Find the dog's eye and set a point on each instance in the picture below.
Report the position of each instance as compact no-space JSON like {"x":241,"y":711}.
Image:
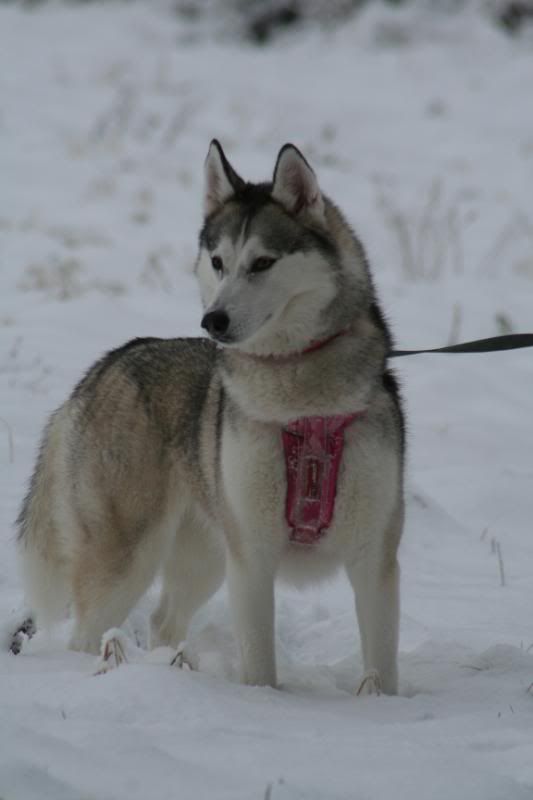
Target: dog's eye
{"x":217,"y":264}
{"x":261,"y":264}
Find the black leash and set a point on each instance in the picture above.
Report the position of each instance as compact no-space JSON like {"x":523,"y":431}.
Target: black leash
{"x":511,"y":341}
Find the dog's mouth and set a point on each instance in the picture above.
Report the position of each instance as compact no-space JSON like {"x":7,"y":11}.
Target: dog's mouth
{"x":223,"y":339}
{"x":228,"y":336}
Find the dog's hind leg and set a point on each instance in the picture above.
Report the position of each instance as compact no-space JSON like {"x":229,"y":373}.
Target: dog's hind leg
{"x":193,"y":570}
{"x":106,"y":589}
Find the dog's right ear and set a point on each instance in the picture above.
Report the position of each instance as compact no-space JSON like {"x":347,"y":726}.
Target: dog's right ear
{"x":221,"y":180}
{"x":295,"y":185}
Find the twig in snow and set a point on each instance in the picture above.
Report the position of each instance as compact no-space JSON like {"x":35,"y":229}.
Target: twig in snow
{"x":453,"y":338}
{"x":503,"y":323}
{"x":10,"y":445}
{"x":455,"y":240}
{"x":496,"y":549}
{"x":518,"y":230}
{"x":500,"y":563}
{"x":269,"y":788}
{"x":433,"y":240}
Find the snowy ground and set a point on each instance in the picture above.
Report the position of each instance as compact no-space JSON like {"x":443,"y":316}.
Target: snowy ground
{"x":423,"y":133}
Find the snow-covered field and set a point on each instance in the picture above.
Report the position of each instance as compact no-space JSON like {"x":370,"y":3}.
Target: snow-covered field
{"x":421,"y":128}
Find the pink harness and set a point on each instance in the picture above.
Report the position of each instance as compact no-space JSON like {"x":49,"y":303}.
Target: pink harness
{"x":313,"y":449}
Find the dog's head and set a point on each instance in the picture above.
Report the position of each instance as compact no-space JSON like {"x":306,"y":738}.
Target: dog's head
{"x":269,"y":264}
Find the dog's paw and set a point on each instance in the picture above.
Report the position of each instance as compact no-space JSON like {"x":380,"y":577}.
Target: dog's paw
{"x":23,"y":633}
{"x":113,"y":651}
{"x":183,"y":659}
{"x":370,"y":684}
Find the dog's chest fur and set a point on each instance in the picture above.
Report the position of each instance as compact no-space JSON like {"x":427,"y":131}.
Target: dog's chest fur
{"x":254,"y":488}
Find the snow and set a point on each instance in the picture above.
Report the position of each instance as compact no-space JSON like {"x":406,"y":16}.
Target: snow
{"x":420,"y":127}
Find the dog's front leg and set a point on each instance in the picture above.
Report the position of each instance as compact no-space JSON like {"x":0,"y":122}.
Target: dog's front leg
{"x":251,"y":592}
{"x":376,"y":587}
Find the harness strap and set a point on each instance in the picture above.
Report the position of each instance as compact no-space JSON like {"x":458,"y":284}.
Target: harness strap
{"x":313,"y":450}
{"x":511,"y":341}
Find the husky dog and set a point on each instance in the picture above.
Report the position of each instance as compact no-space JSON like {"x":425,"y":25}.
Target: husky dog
{"x":169,"y":455}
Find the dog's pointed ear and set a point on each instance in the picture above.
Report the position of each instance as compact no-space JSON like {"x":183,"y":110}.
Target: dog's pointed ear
{"x":221,"y":180}
{"x":294,"y":184}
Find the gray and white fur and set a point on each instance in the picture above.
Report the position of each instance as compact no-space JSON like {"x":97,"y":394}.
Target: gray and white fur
{"x":168,"y":457}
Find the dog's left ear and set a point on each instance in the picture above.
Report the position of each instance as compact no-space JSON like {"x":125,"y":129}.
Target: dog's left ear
{"x":221,"y":180}
{"x":294,"y":184}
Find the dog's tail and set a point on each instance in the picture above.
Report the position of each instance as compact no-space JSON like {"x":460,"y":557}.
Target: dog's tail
{"x":43,"y":558}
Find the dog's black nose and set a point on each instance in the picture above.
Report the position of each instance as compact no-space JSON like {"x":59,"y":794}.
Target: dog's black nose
{"x":216,"y":323}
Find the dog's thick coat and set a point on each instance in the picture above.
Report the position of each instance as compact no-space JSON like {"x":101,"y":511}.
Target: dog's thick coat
{"x":168,"y":455}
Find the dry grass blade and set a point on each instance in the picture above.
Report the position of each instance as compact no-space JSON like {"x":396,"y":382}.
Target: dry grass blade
{"x":10,"y":445}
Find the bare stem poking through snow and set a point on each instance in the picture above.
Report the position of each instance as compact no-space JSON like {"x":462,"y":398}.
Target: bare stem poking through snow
{"x":10,"y":445}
